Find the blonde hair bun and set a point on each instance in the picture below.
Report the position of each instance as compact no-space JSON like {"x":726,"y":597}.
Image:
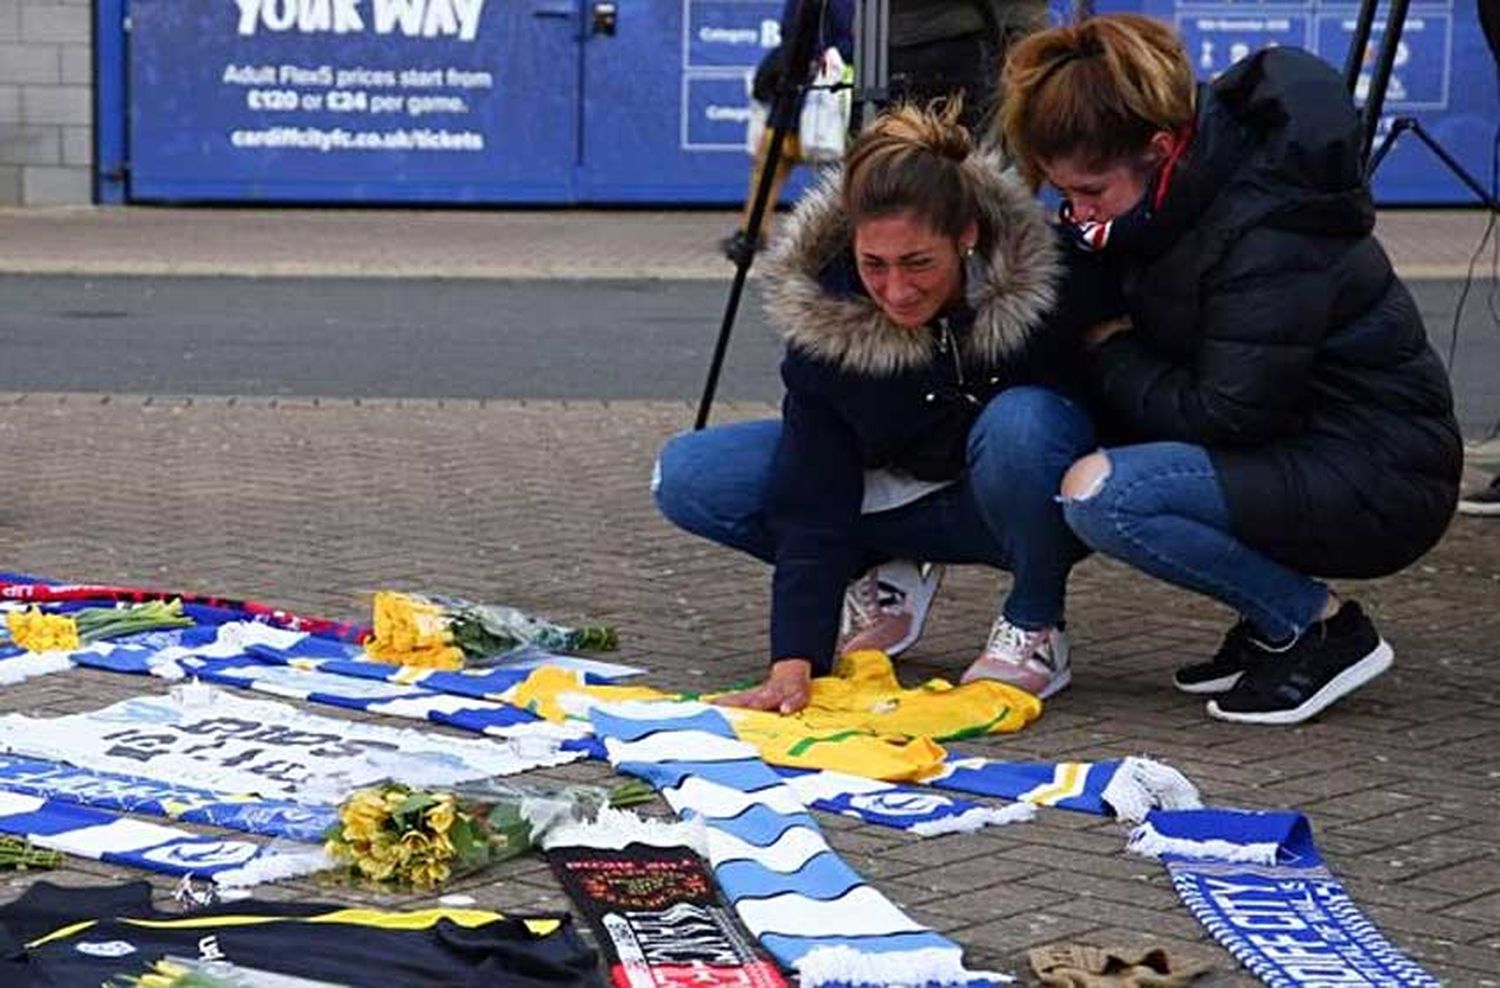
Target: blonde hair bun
{"x":911,"y":158}
{"x":934,"y":128}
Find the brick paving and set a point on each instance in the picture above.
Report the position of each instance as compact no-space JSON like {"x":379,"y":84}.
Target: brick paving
{"x":314,"y":504}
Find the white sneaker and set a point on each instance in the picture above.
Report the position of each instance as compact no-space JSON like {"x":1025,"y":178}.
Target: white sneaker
{"x":1035,"y":661}
{"x":886,"y":608}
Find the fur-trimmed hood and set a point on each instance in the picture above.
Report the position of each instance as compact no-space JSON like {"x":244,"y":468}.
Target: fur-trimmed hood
{"x":1010,"y":283}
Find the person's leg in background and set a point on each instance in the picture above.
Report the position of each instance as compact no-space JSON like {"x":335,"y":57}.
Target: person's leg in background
{"x":738,"y":243}
{"x":946,"y":67}
{"x":1159,"y":507}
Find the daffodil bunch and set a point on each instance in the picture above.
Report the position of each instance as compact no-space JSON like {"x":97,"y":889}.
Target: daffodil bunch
{"x":170,"y":974}
{"x":22,"y":855}
{"x":409,"y":838}
{"x":37,"y":630}
{"x":396,"y":835}
{"x":413,"y":631}
{"x":187,"y":972}
{"x":450,"y":632}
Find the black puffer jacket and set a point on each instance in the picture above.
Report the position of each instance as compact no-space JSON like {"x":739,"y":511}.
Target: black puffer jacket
{"x":1271,"y":329}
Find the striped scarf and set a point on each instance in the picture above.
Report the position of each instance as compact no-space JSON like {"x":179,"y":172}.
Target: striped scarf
{"x":808,"y":908}
{"x":1255,"y":880}
{"x":104,"y":836}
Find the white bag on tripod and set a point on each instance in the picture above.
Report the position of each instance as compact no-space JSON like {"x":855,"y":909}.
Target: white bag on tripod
{"x":823,"y":127}
{"x":755,"y":126}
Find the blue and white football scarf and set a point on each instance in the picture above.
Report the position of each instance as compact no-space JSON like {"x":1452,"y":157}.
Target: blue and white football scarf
{"x":137,"y":794}
{"x":296,"y":665}
{"x":228,"y":633}
{"x":316,"y":684}
{"x":104,"y":836}
{"x":18,"y":665}
{"x":1126,"y":788}
{"x":213,"y":740}
{"x":247,"y":640}
{"x":919,"y":811}
{"x":1256,"y":881}
{"x":808,"y":908}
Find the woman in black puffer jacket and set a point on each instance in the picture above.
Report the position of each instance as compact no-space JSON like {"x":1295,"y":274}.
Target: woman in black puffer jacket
{"x":1278,"y":413}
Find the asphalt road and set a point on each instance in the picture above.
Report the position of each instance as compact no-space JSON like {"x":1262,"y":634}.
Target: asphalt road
{"x":468,"y":339}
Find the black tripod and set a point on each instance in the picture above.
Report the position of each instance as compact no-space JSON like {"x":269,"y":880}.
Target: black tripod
{"x":1380,"y":80}
{"x":799,"y":51}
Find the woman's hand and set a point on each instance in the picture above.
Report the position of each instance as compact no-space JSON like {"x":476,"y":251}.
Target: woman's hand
{"x":785,"y":690}
{"x":1096,"y":335}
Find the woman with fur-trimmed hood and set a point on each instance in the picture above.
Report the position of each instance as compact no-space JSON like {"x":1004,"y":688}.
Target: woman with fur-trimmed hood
{"x":925,"y":417}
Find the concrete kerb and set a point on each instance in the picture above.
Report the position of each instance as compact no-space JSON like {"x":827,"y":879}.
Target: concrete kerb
{"x":149,"y":268}
{"x":488,"y":272}
{"x":488,"y":243}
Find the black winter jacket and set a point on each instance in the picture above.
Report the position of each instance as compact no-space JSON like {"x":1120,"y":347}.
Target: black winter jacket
{"x":863,"y":392}
{"x":1271,"y":329}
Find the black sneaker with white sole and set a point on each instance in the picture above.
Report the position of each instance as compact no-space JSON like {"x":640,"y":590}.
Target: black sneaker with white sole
{"x":1332,"y":659}
{"x":1238,"y":652}
{"x":1485,"y":501}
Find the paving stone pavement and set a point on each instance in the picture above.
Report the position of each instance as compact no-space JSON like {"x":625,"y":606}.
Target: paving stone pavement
{"x":314,"y":504}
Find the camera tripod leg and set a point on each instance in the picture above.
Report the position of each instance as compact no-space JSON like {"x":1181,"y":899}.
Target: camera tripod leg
{"x":780,"y":116}
{"x":1402,"y":125}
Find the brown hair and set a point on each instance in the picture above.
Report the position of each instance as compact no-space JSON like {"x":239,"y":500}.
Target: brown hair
{"x":911,"y":159}
{"x":1099,"y":88}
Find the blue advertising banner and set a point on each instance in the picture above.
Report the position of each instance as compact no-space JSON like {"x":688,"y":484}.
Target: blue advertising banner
{"x":442,"y":100}
{"x":1216,"y":40}
{"x":729,"y":33}
{"x":339,"y":100}
{"x":1441,"y":43}
{"x":515,"y":101}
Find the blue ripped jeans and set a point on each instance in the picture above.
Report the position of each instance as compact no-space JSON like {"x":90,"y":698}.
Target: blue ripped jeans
{"x":1161,"y":509}
{"x":1003,"y":512}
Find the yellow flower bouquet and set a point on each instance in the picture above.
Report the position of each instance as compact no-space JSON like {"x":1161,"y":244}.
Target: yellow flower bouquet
{"x":191,"y":972}
{"x":399,"y":836}
{"x":450,"y":632}
{"x":413,"y":839}
{"x":37,"y":630}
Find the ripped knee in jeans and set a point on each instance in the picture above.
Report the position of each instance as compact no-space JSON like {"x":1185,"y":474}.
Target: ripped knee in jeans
{"x":1085,"y":478}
